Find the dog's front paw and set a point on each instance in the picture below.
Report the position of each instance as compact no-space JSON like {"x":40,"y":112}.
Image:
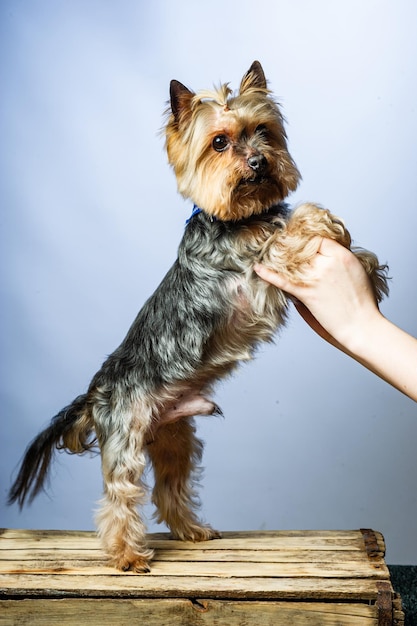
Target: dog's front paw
{"x":288,"y":250}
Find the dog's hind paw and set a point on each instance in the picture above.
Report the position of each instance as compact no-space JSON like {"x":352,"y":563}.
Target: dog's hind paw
{"x":197,"y":534}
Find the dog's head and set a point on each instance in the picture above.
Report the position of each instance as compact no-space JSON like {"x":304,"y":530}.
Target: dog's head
{"x":229,"y":152}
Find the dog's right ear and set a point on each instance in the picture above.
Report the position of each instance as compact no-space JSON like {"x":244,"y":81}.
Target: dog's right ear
{"x":181,"y":98}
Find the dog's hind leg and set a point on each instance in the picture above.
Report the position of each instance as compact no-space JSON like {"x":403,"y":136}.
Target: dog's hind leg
{"x":120,"y":527}
{"x":176,"y":455}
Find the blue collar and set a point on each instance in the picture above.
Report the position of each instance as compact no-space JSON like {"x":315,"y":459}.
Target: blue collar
{"x":196,"y":211}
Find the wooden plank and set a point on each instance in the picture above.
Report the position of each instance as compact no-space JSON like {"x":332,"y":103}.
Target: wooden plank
{"x":227,"y":534}
{"x":256,"y":556}
{"x":306,"y":540}
{"x":218,"y":569}
{"x":182,"y":613}
{"x":145,"y":586}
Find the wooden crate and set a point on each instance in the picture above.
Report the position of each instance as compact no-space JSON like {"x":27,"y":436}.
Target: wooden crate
{"x":298,"y":578}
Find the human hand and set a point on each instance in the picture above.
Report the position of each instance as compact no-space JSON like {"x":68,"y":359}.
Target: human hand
{"x":334,"y":296}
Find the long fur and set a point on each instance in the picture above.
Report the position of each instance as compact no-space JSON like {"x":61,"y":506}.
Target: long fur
{"x":210,"y":312}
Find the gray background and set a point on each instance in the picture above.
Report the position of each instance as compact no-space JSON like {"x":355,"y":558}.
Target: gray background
{"x":90,"y":222}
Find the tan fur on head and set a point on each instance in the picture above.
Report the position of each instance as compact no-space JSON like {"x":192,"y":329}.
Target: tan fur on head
{"x":221,"y":181}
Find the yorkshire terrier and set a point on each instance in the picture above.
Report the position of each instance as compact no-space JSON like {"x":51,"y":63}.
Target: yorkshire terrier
{"x":230,"y":157}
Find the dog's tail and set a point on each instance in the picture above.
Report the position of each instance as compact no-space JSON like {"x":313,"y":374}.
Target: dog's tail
{"x":70,"y":430}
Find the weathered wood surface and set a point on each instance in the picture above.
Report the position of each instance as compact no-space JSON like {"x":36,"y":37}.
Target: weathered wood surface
{"x":282,"y":577}
{"x":186,"y":613}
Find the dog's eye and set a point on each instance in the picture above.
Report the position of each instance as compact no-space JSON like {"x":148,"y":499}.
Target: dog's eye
{"x":262,"y":130}
{"x":220,"y":143}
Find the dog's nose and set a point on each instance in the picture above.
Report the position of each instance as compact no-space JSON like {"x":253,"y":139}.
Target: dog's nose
{"x":257,"y":162}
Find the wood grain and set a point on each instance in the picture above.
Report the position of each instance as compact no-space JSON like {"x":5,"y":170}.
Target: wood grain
{"x":278,"y":577}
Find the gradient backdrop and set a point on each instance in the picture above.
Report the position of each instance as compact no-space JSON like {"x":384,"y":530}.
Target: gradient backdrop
{"x":90,"y":221}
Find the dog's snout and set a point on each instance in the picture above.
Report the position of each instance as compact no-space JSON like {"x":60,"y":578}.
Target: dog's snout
{"x":257,"y":162}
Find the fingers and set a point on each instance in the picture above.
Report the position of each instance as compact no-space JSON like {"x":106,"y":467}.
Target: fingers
{"x":273,"y":277}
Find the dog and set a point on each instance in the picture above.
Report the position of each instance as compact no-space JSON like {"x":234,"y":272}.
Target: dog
{"x":230,"y":157}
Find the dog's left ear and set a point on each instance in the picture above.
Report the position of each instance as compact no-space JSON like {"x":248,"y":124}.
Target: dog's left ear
{"x":254,"y":78}
{"x":181,"y":98}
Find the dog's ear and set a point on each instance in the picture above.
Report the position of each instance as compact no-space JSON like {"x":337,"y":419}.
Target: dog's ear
{"x":181,"y":98}
{"x":254,"y":78}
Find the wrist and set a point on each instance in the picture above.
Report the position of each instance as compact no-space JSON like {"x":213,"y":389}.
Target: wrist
{"x":363,"y":334}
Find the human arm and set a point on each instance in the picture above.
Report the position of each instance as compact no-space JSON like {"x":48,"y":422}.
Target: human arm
{"x":336,"y":299}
